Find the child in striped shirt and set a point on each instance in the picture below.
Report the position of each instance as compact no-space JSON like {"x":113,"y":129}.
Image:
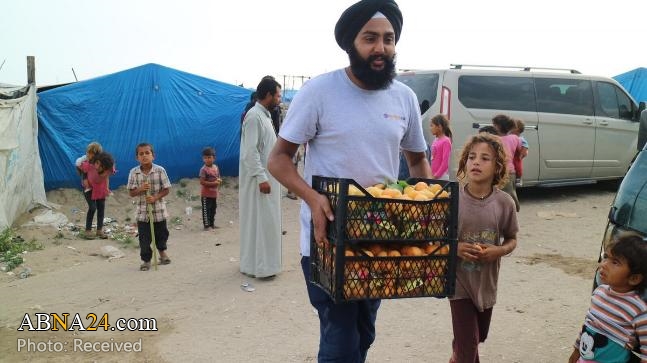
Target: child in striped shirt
{"x":615,"y":327}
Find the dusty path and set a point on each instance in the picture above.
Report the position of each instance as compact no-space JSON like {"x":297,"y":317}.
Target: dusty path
{"x":203,"y":315}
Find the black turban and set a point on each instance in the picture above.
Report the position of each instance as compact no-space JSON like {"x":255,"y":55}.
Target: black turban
{"x":356,"y":16}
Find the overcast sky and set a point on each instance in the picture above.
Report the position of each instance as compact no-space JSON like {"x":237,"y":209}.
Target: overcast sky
{"x":241,"y":41}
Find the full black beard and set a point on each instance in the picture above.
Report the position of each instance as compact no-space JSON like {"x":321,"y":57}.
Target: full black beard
{"x":372,"y":79}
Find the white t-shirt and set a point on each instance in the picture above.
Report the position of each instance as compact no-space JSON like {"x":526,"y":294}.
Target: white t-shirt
{"x":351,"y":132}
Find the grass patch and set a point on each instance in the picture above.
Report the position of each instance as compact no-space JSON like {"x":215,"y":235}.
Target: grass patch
{"x":125,"y":238}
{"x":58,"y":238}
{"x":186,"y":195}
{"x":12,"y":247}
{"x":128,"y":242}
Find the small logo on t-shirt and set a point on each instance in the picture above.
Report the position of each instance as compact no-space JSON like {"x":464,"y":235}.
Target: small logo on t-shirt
{"x":393,"y":117}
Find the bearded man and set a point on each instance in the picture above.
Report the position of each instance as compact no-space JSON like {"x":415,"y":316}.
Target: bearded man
{"x":354,"y":121}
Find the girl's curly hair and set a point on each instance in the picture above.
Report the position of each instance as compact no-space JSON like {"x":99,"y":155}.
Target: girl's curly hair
{"x":500,"y":170}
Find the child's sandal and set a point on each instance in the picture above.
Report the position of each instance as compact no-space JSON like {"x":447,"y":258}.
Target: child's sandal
{"x":145,"y":266}
{"x":165,"y":261}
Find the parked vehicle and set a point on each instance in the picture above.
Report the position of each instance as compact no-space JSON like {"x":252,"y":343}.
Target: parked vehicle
{"x":580,"y":128}
{"x":629,"y":209}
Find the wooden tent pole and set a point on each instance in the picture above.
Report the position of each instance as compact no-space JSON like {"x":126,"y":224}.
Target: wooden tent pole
{"x":31,"y":69}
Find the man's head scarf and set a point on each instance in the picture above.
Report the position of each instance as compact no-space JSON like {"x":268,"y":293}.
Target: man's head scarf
{"x":356,"y":16}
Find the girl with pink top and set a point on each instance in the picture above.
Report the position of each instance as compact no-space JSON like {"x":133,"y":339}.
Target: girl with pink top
{"x":98,"y":170}
{"x":512,"y":146}
{"x":441,"y":148}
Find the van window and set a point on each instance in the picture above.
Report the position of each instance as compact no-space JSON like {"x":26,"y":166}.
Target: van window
{"x":425,"y":86}
{"x":498,"y":93}
{"x":613,"y":102}
{"x":569,"y":96}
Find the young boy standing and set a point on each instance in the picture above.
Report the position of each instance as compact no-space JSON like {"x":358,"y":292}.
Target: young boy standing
{"x":151,"y":184}
{"x":210,"y":181}
{"x":615,"y":326}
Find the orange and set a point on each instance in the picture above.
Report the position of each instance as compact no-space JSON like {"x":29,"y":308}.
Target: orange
{"x":421,"y":186}
{"x":434,"y":188}
{"x":391,"y":192}
{"x":375,"y":248}
{"x":374,"y":191}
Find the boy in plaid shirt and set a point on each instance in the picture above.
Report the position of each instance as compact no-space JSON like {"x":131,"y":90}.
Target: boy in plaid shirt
{"x":150,"y":183}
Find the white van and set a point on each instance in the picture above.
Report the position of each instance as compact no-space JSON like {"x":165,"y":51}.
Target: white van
{"x":579,"y":128}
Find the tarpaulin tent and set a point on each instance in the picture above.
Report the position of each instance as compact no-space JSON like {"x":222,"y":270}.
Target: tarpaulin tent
{"x":21,"y":175}
{"x":635,"y":82}
{"x":177,"y":112}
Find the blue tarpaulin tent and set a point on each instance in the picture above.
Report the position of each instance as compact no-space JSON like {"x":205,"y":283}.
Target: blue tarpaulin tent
{"x":635,"y":82}
{"x":179,"y":113}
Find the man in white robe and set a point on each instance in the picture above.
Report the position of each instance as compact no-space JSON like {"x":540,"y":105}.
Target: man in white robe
{"x":259,"y":193}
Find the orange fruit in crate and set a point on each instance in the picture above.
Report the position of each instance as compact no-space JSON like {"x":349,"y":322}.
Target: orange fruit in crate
{"x":415,"y":251}
{"x":434,"y":286}
{"x":355,"y":191}
{"x":392,"y":209}
{"x":387,"y":288}
{"x":411,"y":251}
{"x":354,"y":289}
{"x":434,"y":188}
{"x":409,"y":190}
{"x":430,"y":247}
{"x":375,"y":192}
{"x":348,"y":252}
{"x":394,"y":253}
{"x":367,"y":252}
{"x":378,"y":265}
{"x":390,"y":192}
{"x":420,"y":186}
{"x":404,"y":197}
{"x":421,"y":197}
{"x":375,"y":248}
{"x":354,"y":229}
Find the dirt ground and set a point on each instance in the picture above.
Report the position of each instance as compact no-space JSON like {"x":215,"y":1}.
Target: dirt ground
{"x":202,"y":314}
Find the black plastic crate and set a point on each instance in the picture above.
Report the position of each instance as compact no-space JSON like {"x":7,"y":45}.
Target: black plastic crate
{"x":366,"y":233}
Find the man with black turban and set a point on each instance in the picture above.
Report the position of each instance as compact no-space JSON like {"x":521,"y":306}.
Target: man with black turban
{"x":354,"y":18}
{"x":354,"y":121}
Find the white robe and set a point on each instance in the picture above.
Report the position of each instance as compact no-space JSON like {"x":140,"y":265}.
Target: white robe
{"x":260,"y":214}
